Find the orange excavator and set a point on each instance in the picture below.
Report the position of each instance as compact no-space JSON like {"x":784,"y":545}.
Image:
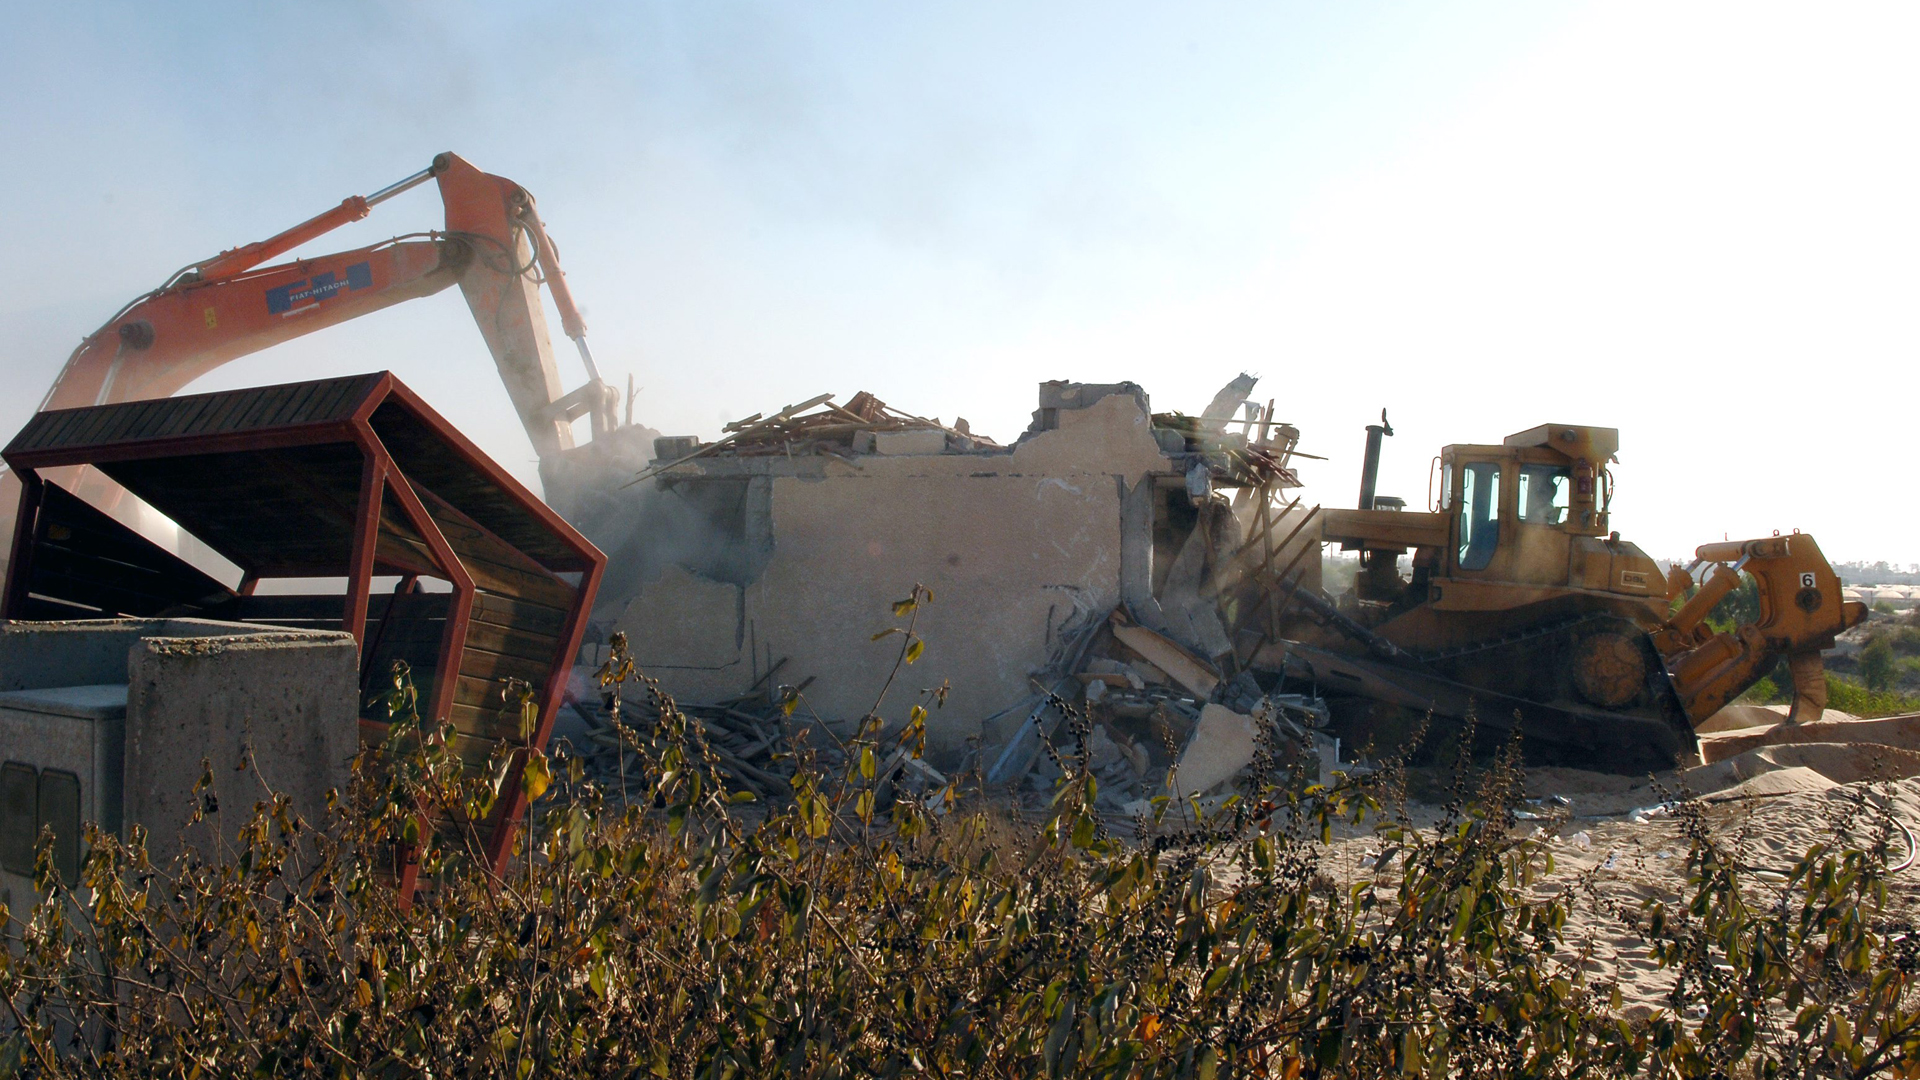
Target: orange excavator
{"x":219,"y":309}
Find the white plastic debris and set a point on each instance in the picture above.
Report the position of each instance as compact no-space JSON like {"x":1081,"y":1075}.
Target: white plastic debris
{"x":1642,"y":815}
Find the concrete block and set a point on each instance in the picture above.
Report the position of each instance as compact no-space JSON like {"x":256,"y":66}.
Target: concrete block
{"x":674,"y":447}
{"x":87,"y":652}
{"x":917,"y":441}
{"x":125,"y":709}
{"x":83,"y":652}
{"x":1060,"y":394}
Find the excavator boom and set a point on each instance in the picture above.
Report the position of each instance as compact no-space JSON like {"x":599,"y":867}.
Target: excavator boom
{"x":494,"y":247}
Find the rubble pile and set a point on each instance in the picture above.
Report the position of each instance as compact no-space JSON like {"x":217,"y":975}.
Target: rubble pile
{"x":1152,"y":718}
{"x":751,"y":739}
{"x":754,"y":740}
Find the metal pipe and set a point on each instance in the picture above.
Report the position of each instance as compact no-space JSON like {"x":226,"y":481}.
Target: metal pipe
{"x":1695,"y":611}
{"x":586,"y":357}
{"x":408,"y":184}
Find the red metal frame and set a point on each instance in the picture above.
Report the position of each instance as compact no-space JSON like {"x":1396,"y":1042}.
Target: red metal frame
{"x":20,"y":556}
{"x":366,"y":537}
{"x":453,"y":640}
{"x":474,"y":456}
{"x":507,"y":815}
{"x":380,"y":474}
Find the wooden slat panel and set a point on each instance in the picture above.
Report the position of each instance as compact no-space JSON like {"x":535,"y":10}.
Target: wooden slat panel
{"x":289,"y":411}
{"x":101,"y":563}
{"x":97,"y":428}
{"x":481,"y":664}
{"x":487,"y":722}
{"x":512,"y":642}
{"x":431,"y":465}
{"x":220,"y":417}
{"x":230,"y":410}
{"x":255,"y":406}
{"x":498,"y":579}
{"x":178,"y":419}
{"x":408,"y":632}
{"x":304,"y":607}
{"x":519,"y":613}
{"x":480,"y":693}
{"x":495,"y":565}
{"x":474,"y":750}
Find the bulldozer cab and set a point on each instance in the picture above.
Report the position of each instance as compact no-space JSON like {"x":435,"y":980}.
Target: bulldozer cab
{"x":1511,"y":525}
{"x":1514,"y":509}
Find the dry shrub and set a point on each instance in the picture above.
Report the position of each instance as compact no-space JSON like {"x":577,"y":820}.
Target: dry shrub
{"x":688,"y":934}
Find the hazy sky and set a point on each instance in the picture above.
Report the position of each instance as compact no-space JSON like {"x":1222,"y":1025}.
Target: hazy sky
{"x":1693,"y":222}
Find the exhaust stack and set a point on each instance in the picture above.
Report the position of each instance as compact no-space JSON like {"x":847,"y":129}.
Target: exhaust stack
{"x":1370,"y":469}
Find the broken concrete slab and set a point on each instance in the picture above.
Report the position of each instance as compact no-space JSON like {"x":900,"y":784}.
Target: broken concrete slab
{"x":919,"y":441}
{"x":1102,"y":751}
{"x":1227,"y":402}
{"x":1223,"y":743}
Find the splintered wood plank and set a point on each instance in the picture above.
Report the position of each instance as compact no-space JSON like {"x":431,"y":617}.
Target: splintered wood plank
{"x":1179,"y":664}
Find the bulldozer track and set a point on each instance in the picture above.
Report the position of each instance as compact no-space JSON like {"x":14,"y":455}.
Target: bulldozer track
{"x":1516,"y":638}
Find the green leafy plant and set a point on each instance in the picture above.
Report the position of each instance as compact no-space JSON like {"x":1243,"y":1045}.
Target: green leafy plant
{"x":1877,"y":664}
{"x":1849,"y":696}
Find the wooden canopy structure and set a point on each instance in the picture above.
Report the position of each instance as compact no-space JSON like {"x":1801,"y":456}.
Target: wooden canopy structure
{"x":353,"y":477}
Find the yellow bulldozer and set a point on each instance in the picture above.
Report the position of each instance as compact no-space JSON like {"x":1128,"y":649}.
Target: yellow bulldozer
{"x":1523,"y":607}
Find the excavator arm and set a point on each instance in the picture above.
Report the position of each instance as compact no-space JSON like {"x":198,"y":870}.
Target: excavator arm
{"x":494,"y":247}
{"x":1801,"y":612}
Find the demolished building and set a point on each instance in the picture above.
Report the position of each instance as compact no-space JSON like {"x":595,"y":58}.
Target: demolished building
{"x":773,"y":554}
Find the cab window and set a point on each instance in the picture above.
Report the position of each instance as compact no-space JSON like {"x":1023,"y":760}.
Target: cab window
{"x":1545,"y":494}
{"x":1479,"y":513}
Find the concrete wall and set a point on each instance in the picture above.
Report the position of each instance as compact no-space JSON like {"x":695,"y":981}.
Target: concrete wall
{"x":230,"y":693}
{"x":286,"y":704}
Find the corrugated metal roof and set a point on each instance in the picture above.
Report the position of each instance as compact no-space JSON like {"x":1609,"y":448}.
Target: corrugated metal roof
{"x":221,"y":413}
